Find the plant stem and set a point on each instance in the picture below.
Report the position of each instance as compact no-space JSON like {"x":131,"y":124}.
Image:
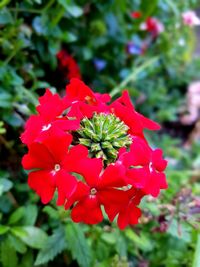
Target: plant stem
{"x":33,"y":10}
{"x":30,"y":10}
{"x":48,"y":5}
{"x":133,"y":76}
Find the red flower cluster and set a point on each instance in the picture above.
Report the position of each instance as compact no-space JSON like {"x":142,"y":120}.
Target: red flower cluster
{"x":136,"y":14}
{"x":93,"y":153}
{"x":68,"y":65}
{"x":153,"y":26}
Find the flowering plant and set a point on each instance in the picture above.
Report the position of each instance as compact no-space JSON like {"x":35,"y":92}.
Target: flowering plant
{"x":93,"y":153}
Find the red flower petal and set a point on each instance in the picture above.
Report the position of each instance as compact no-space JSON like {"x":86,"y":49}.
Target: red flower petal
{"x":58,"y":146}
{"x":81,"y":192}
{"x":51,"y":106}
{"x":77,"y":90}
{"x":124,"y":109}
{"x":105,"y":98}
{"x":158,"y":162}
{"x":147,"y":123}
{"x":43,"y":183}
{"x":71,"y":160}
{"x":128,"y":216}
{"x":113,"y":176}
{"x":38,"y":157}
{"x":137,"y":177}
{"x":139,"y":155}
{"x":156,"y":181}
{"x":67,"y":125}
{"x":66,"y":185}
{"x":90,"y":169}
{"x":32,"y":128}
{"x":87,"y":211}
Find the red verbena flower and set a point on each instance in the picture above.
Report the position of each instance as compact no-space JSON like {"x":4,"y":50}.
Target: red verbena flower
{"x":136,"y":14}
{"x":144,"y":167}
{"x":68,"y":65}
{"x":50,"y":119}
{"x":100,"y":188}
{"x":94,"y":153}
{"x":152,"y":25}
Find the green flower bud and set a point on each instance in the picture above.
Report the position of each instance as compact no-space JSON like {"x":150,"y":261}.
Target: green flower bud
{"x":104,"y":135}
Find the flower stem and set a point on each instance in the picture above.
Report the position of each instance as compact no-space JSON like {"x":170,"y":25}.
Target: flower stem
{"x":32,"y":10}
{"x":133,"y":76}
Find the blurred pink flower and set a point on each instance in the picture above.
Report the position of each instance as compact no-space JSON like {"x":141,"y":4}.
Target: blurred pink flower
{"x":190,"y":18}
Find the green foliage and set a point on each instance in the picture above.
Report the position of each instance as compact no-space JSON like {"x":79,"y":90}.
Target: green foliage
{"x":54,"y":245}
{"x":8,"y":255}
{"x":78,"y":245}
{"x":32,"y":32}
{"x":196,"y":262}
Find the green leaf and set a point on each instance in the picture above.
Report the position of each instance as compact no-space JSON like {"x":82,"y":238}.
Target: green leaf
{"x":32,"y":236}
{"x":148,"y":7}
{"x":30,"y":215}
{"x":78,"y":245}
{"x":196,"y":262}
{"x":17,"y":244}
{"x":72,"y":9}
{"x":16,"y":216}
{"x":53,"y":213}
{"x":4,"y":3}
{"x":8,"y":255}
{"x":5,"y":100}
{"x":142,"y":241}
{"x":121,"y":245}
{"x":27,"y":259}
{"x":5,"y":185}
{"x":173,"y":7}
{"x":5,"y":17}
{"x":184,"y":228}
{"x":54,"y":245}
{"x":4,"y":229}
{"x":109,"y":238}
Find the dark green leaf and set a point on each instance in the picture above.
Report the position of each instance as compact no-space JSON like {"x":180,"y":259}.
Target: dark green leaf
{"x":16,"y":216}
{"x":72,"y":9}
{"x":32,"y":236}
{"x":30,"y":215}
{"x":17,"y":244}
{"x":52,"y":213}
{"x":5,"y":185}
{"x":78,"y":245}
{"x":5,"y":17}
{"x":54,"y":245}
{"x":5,"y":100}
{"x":4,"y":229}
{"x":8,"y":255}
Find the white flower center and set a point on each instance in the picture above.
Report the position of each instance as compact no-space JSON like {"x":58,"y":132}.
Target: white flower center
{"x":57,"y":167}
{"x":150,"y":166}
{"x":93,"y":191}
{"x":46,"y":127}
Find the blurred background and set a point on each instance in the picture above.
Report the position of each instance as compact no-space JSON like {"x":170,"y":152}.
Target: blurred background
{"x":151,"y":48}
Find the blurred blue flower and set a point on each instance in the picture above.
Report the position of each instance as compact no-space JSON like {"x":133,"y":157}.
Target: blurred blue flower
{"x":100,"y":64}
{"x":134,"y":49}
